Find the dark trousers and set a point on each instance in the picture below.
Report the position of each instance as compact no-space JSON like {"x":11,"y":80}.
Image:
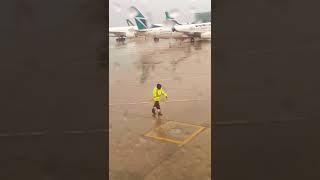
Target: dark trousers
{"x":157,"y":105}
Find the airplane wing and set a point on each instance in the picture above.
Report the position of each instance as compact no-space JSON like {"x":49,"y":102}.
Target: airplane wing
{"x":140,"y":33}
{"x":117,"y":34}
{"x":156,"y":25}
{"x":140,"y":30}
{"x":189,"y":33}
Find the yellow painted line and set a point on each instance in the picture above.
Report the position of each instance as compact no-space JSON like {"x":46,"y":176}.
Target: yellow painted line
{"x":186,"y":124}
{"x":147,"y":133}
{"x":180,"y":143}
{"x":165,"y":139}
{"x":192,"y":136}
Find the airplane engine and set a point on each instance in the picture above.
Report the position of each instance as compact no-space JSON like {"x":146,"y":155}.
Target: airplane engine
{"x":156,"y":34}
{"x":206,"y":35}
{"x":130,"y":35}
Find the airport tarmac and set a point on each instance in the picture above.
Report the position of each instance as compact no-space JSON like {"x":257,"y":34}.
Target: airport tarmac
{"x":179,"y":145}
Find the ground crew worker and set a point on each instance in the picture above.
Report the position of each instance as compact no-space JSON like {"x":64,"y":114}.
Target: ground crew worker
{"x":157,"y":92}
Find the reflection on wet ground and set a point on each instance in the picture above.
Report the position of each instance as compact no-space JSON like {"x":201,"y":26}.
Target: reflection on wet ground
{"x":184,"y":70}
{"x":158,"y":129}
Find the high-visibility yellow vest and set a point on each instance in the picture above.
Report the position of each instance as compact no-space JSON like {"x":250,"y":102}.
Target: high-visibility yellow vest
{"x":157,"y":94}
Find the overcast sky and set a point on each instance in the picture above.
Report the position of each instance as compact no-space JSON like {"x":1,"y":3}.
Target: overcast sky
{"x":154,"y":10}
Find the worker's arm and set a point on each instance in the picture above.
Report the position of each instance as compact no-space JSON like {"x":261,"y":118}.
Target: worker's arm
{"x":164,"y":93}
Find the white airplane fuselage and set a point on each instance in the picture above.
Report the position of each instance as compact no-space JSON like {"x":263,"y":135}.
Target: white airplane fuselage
{"x":182,"y":31}
{"x":201,"y":30}
{"x":128,"y":32}
{"x":201,"y":27}
{"x":163,"y":33}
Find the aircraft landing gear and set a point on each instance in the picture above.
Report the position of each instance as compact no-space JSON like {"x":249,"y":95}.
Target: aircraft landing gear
{"x":192,"y":40}
{"x":121,"y":39}
{"x":156,"y":39}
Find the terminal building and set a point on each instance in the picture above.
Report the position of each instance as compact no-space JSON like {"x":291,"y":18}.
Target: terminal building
{"x":202,"y":17}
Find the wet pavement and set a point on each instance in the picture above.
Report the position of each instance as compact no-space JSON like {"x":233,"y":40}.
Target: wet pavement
{"x":178,"y":146}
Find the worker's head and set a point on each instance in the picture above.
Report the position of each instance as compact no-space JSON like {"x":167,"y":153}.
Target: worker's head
{"x":159,"y":86}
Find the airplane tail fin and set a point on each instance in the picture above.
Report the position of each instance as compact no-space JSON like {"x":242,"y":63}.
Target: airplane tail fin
{"x":140,"y":19}
{"x":169,"y":18}
{"x":129,"y":23}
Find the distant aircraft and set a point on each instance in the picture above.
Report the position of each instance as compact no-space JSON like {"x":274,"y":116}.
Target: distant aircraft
{"x":156,"y":33}
{"x":196,"y":30}
{"x":201,"y":30}
{"x":177,"y":31}
{"x":123,"y":32}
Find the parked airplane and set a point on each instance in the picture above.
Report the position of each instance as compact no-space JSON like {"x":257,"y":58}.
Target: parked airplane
{"x":178,"y":31}
{"x":201,"y":30}
{"x":196,"y":30}
{"x":157,"y":33}
{"x":123,"y":32}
